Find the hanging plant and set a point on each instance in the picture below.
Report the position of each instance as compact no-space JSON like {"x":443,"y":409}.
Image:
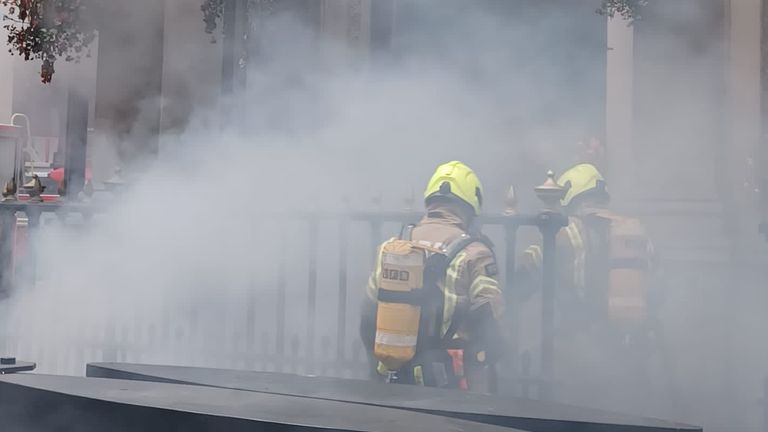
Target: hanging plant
{"x":627,"y":9}
{"x":47,"y":30}
{"x":212,"y":11}
{"x":50,"y":30}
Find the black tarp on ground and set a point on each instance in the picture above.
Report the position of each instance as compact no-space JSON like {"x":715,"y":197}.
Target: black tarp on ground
{"x":33,"y":403}
{"x":17,"y":366}
{"x":525,"y":414}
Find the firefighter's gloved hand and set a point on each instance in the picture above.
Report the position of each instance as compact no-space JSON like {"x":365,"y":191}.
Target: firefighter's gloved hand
{"x":368,"y":333}
{"x":487,"y":344}
{"x":368,"y":323}
{"x":482,"y":378}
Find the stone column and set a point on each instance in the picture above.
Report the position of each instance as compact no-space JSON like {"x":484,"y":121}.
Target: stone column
{"x":744,"y":113}
{"x":619,"y":104}
{"x":349,"y":22}
{"x":743,"y":318}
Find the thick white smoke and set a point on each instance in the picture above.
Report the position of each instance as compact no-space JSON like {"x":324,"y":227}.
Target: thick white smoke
{"x":167,"y":274}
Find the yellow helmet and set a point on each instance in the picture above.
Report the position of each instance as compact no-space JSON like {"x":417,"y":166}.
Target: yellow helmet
{"x":579,"y":180}
{"x":456,"y":180}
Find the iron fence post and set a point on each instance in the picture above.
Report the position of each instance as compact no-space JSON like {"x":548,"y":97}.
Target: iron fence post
{"x":765,"y":404}
{"x":281,"y":287}
{"x":250,"y":323}
{"x":341,"y":332}
{"x":375,"y":237}
{"x":526,"y":374}
{"x":312,"y":291}
{"x":550,"y":224}
{"x":510,"y":233}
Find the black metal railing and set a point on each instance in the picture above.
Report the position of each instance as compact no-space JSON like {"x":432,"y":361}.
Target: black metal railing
{"x":32,"y":211}
{"x":307,"y":350}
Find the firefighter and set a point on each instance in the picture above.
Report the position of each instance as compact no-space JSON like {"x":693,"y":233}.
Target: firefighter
{"x":433,"y":301}
{"x":606,"y":261}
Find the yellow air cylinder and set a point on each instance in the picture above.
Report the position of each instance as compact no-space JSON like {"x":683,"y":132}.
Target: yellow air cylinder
{"x":397,"y":324}
{"x":627,"y":296}
{"x":628,"y":283}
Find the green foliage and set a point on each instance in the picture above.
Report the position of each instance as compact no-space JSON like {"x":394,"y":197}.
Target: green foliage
{"x":212,"y":10}
{"x":47,"y":30}
{"x":627,"y":9}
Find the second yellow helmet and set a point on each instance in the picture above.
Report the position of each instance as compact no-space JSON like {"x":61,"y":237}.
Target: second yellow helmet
{"x":455,"y":179}
{"x":580,"y":180}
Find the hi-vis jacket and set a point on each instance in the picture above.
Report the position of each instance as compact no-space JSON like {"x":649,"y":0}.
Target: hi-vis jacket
{"x":471,"y":279}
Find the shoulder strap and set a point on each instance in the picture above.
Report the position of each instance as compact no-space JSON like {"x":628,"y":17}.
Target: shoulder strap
{"x":406,"y":232}
{"x":454,"y":249}
{"x":461,"y":243}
